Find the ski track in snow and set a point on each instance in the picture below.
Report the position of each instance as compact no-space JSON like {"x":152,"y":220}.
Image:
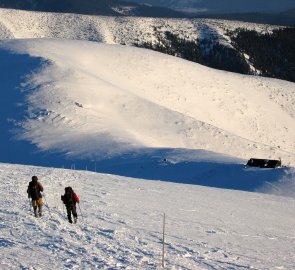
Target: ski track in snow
{"x":122,"y":225}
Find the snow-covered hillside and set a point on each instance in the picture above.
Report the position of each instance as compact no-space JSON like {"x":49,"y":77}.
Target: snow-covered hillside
{"x":121,"y":110}
{"x":122,"y":98}
{"x":119,"y":30}
{"x":67,"y":101}
{"x":95,"y":103}
{"x":121,"y":227}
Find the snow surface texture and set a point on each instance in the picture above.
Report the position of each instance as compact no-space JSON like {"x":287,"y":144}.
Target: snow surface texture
{"x":121,"y":227}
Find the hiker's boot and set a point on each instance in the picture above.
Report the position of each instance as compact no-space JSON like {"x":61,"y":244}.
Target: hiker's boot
{"x":70,"y":218}
{"x":35,"y":213}
{"x":75,"y":219}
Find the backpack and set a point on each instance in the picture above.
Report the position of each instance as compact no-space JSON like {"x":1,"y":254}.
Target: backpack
{"x":34,"y":191}
{"x":69,"y":196}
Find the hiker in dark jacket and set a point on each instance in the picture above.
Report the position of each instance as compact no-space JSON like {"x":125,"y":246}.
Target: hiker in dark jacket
{"x":70,"y":199}
{"x":34,"y":191}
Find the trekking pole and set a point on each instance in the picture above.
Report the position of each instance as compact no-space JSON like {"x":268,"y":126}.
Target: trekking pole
{"x":81,"y":212}
{"x":30,"y":205}
{"x":47,"y":205}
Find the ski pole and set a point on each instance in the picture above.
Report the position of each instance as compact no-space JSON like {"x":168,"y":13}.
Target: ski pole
{"x":47,"y":205}
{"x":81,"y":212}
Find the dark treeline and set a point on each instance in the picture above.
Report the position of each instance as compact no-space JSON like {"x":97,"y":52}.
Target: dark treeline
{"x":207,"y":52}
{"x":272,"y":54}
{"x":222,"y":57}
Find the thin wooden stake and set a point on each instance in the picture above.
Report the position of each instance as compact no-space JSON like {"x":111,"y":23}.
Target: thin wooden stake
{"x":163,"y":248}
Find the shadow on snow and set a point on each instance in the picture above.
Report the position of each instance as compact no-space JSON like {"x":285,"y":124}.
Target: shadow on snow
{"x":197,"y":167}
{"x":14,"y":69}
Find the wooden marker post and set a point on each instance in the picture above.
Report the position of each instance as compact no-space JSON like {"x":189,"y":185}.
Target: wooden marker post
{"x":163,"y":247}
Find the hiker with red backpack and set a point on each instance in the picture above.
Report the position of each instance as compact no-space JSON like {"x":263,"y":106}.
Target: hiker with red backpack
{"x":70,"y":199}
{"x":34,"y":191}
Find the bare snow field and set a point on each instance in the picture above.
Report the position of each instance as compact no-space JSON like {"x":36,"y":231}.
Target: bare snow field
{"x":122,"y":221}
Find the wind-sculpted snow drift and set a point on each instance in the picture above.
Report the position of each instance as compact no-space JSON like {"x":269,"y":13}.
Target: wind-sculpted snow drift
{"x":96,"y":102}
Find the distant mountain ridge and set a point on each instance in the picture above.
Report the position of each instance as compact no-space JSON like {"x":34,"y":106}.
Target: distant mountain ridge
{"x":91,"y":7}
{"x":266,"y":12}
{"x":164,"y":9}
{"x":223,"y":6}
{"x":286,"y":18}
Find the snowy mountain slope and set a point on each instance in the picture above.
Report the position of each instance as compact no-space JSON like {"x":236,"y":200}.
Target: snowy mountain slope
{"x":143,"y":32}
{"x":123,"y":99}
{"x":91,"y":105}
{"x":121,"y":110}
{"x":119,"y":30}
{"x":133,"y":112}
{"x":122,"y":220}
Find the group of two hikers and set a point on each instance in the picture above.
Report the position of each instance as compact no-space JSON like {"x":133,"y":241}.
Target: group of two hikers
{"x":70,"y":199}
